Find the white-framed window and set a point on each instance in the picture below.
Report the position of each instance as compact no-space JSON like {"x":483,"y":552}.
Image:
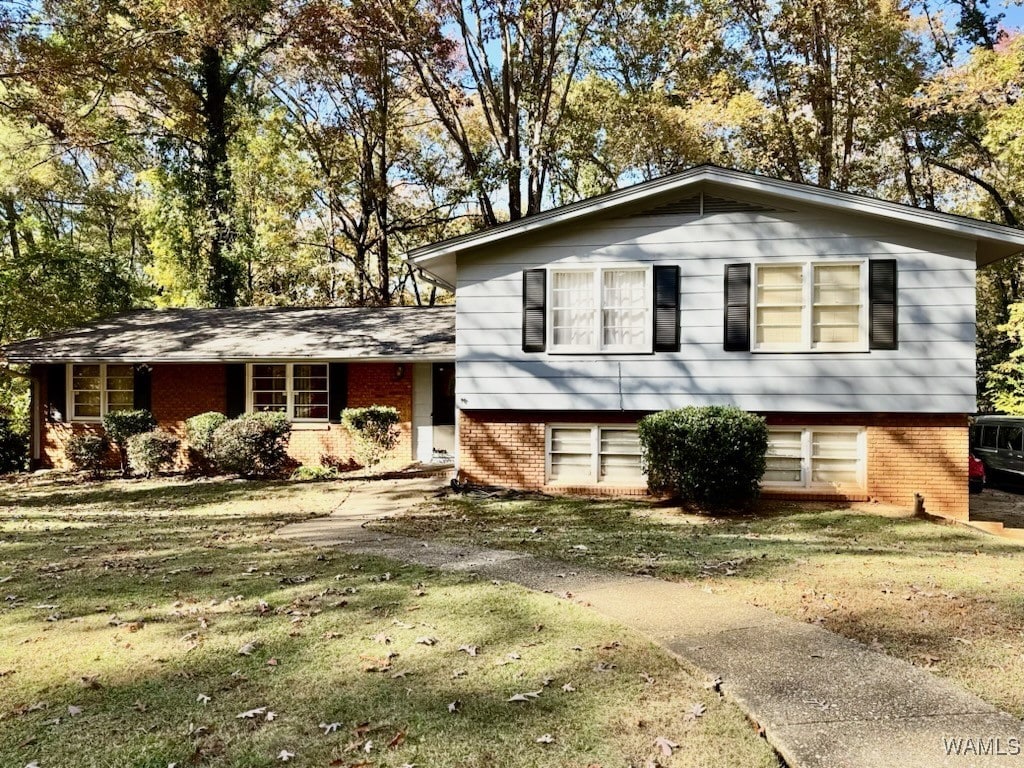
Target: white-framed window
{"x":816,"y":457}
{"x":95,"y":389}
{"x":600,"y":309}
{"x":591,"y":454}
{"x":298,"y":390}
{"x":809,"y":306}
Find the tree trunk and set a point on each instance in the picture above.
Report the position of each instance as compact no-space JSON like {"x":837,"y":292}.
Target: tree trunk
{"x":221,"y":285}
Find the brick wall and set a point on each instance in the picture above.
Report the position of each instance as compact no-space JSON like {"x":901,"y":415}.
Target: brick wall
{"x":906,"y":453}
{"x":181,"y":391}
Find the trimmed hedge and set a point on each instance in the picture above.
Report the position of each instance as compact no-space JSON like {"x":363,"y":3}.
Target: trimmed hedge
{"x":121,"y":425}
{"x":714,"y":454}
{"x":88,"y":453}
{"x":150,"y":452}
{"x":199,"y":431}
{"x":253,"y":445}
{"x":374,"y":430}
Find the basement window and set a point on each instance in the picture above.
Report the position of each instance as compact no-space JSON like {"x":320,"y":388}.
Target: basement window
{"x":816,"y":458}
{"x":580,"y":454}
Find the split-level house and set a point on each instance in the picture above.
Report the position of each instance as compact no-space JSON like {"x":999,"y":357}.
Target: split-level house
{"x":847,"y":322}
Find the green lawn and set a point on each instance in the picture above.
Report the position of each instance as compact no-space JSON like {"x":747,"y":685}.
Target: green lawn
{"x":125,"y":605}
{"x":938,"y":596}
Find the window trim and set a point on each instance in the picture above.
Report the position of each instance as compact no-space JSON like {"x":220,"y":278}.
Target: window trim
{"x":599,"y":347}
{"x":807,"y":308}
{"x":806,"y":464}
{"x":595,"y":455}
{"x":289,"y":383}
{"x":69,"y":389}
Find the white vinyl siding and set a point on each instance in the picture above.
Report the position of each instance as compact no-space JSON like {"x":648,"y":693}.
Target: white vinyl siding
{"x":600,"y":310}
{"x":298,"y":390}
{"x":810,"y":307}
{"x":816,"y":458}
{"x":594,"y":455}
{"x":933,"y":371}
{"x":96,"y":389}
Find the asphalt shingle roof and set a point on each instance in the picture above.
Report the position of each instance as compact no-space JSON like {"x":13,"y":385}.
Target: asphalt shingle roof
{"x":245,"y":333}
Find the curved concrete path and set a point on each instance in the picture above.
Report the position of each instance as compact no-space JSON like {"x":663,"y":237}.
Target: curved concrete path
{"x":824,"y":701}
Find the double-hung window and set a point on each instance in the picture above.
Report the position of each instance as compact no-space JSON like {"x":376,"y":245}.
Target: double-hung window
{"x":96,"y":389}
{"x":815,"y":457}
{"x":811,"y":306}
{"x":604,"y":309}
{"x":298,"y":390}
{"x":592,"y":455}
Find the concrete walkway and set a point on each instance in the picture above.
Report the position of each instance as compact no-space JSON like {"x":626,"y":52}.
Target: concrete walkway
{"x":823,"y":701}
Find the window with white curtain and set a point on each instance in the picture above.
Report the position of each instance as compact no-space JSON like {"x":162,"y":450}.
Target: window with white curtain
{"x":813,"y":306}
{"x":607,"y":309}
{"x":815,"y":457}
{"x":591,"y":454}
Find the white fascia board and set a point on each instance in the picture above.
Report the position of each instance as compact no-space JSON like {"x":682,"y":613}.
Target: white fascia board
{"x":1010,"y":238}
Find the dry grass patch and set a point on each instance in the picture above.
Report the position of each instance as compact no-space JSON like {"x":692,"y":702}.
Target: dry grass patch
{"x":151,"y":623}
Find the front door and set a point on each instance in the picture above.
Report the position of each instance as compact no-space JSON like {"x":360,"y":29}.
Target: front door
{"x":442,"y":414}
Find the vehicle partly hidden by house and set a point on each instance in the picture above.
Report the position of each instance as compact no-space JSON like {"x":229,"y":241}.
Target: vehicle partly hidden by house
{"x":847,"y":322}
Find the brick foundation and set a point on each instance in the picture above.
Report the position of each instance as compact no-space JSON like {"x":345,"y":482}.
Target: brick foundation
{"x":906,"y":453}
{"x":182,"y":391}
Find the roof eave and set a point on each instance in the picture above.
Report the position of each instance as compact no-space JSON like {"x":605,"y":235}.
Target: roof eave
{"x":139,"y":359}
{"x":984,"y":232}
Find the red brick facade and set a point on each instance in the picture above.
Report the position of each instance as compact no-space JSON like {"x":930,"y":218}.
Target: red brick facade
{"x":906,"y":453}
{"x":182,"y":391}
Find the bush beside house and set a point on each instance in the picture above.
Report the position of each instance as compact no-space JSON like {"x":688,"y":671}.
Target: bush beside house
{"x":253,"y":445}
{"x":374,"y":431}
{"x":88,"y":453}
{"x":119,"y":426}
{"x":152,"y":452}
{"x":712,"y":454}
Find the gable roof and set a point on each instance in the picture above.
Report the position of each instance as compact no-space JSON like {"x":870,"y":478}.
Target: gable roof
{"x":995,"y":241}
{"x":247,"y":333}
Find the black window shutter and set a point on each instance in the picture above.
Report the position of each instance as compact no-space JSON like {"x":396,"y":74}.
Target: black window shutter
{"x":534,"y":297}
{"x":234,"y":378}
{"x":666,"y":308}
{"x":883,"y":304}
{"x":143,"y":397}
{"x":337,"y":391}
{"x":737,"y":308}
{"x":56,"y":392}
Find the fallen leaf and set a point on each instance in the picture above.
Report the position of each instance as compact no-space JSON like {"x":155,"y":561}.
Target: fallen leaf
{"x":271,"y":716}
{"x":454,"y":707}
{"x":382,"y":638}
{"x":695,"y":711}
{"x":284,"y":755}
{"x":647,"y":678}
{"x":249,"y":714}
{"x":547,"y":738}
{"x":714,"y":684}
{"x":74,"y":711}
{"x":426,"y":641}
{"x":329,"y":727}
{"x":470,"y":649}
{"x":272,"y":662}
{"x":247,"y":650}
{"x":568,"y":687}
{"x":202,"y":698}
{"x":525,"y":696}
{"x":665,"y":746}
{"x":397,"y":741}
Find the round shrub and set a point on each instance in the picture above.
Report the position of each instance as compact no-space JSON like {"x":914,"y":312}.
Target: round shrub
{"x":121,"y":425}
{"x":199,"y":431}
{"x":88,"y":453}
{"x":150,"y":452}
{"x":13,"y":448}
{"x":252,"y":445}
{"x":714,"y":455}
{"x":374,"y":430}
